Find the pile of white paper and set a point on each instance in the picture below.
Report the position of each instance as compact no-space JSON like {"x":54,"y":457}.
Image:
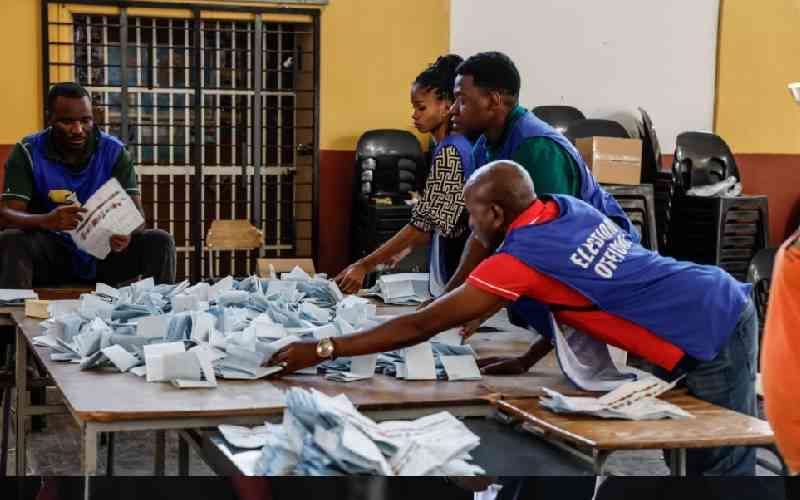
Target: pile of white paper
{"x":401,"y":288}
{"x":631,"y":401}
{"x":15,"y":297}
{"x":323,"y":435}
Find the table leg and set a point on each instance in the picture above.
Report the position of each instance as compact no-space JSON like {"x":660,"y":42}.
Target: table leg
{"x":600,"y":459}
{"x":110,"y":454}
{"x":89,"y":451}
{"x":183,"y":456}
{"x":677,"y":462}
{"x":161,"y":445}
{"x":21,"y":372}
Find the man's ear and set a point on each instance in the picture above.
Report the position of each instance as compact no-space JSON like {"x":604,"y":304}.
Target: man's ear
{"x":498,"y":214}
{"x":495,"y":100}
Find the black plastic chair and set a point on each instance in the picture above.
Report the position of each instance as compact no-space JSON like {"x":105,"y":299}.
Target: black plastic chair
{"x":701,"y":159}
{"x":651,"y":149}
{"x":559,"y":117}
{"x":392,"y":151}
{"x":759,"y":274}
{"x":593,"y":127}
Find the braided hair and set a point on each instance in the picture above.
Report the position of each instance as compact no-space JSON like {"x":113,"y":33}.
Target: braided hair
{"x":440,"y":76}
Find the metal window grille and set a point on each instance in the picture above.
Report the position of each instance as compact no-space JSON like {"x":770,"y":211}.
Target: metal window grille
{"x":183,"y":95}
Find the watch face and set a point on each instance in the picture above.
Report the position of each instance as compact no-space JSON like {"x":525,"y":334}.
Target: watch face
{"x":325,"y":348}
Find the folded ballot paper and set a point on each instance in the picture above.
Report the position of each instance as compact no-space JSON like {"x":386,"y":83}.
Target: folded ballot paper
{"x":109,"y":211}
{"x":631,"y":401}
{"x":323,"y":435}
{"x":401,"y":288}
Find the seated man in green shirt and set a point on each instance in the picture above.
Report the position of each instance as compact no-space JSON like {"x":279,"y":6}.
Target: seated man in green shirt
{"x":46,"y":174}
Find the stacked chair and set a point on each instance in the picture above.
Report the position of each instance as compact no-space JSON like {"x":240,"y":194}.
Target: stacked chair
{"x":639,"y":204}
{"x":663,"y":182}
{"x":558,"y":117}
{"x":726,"y":232}
{"x":389,"y":165}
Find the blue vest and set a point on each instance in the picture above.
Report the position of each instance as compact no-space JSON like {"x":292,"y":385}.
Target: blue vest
{"x":691,"y":306}
{"x":529,"y":126}
{"x":49,"y":175}
{"x":438,"y":266}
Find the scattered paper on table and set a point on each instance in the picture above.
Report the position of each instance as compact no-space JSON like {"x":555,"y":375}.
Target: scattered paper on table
{"x":419,"y":362}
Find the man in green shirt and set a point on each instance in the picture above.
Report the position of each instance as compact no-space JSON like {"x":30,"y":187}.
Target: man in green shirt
{"x":487,"y":104}
{"x":49,"y":175}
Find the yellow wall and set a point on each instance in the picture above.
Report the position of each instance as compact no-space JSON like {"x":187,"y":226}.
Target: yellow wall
{"x":759,"y":54}
{"x":371,"y":50}
{"x":21,"y":75}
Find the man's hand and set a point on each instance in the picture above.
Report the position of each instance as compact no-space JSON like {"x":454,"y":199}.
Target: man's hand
{"x":504,"y":366}
{"x":469,"y":329}
{"x":295,"y":357}
{"x":351,"y":279}
{"x":64,"y":218}
{"x":119,"y":242}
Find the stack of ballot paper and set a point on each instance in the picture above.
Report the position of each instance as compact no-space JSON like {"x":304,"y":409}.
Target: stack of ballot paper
{"x":401,"y":288}
{"x":323,"y":435}
{"x":631,"y":401}
{"x":15,"y":297}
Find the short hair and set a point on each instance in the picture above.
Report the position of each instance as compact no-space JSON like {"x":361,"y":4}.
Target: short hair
{"x":440,"y":76}
{"x":493,"y":71}
{"x":65,"y":89}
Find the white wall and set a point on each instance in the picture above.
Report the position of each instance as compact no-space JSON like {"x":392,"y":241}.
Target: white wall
{"x":605,"y":57}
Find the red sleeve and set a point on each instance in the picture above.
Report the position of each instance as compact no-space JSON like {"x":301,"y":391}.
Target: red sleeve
{"x":505,"y":276}
{"x":510,"y":278}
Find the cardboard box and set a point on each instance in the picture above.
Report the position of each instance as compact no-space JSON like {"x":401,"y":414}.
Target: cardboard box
{"x":613,"y":160}
{"x":37,"y":308}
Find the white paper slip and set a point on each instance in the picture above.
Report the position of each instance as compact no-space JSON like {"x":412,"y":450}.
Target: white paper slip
{"x":315,"y":312}
{"x":139,"y":371}
{"x":153,"y":326}
{"x":202,"y":326}
{"x":174,"y":366}
{"x":419,"y":362}
{"x":16,"y":295}
{"x":345,"y":377}
{"x":185,"y":302}
{"x":58,"y":308}
{"x":451,"y":337}
{"x":324,"y":332}
{"x":364,"y":365}
{"x":193,"y":384}
{"x":220,"y":286}
{"x":108,"y":291}
{"x":121,"y":358}
{"x":460,"y":367}
{"x":109,"y":211}
{"x":246,"y":437}
{"x":46,"y":341}
{"x":199,"y":290}
{"x":260,"y":372}
{"x":93,"y":307}
{"x":155,"y":369}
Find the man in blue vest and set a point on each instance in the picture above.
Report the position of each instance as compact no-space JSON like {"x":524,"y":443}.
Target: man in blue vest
{"x":487,"y":89}
{"x":562,"y":252}
{"x":46,"y":174}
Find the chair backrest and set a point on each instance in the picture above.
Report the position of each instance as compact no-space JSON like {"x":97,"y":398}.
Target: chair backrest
{"x":381,"y":155}
{"x":759,"y":274}
{"x":651,"y":149}
{"x":702,"y":158}
{"x":559,"y":117}
{"x":593,"y":127}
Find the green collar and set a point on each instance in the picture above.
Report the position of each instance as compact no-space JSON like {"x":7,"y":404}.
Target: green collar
{"x":511,"y":119}
{"x":52,"y":152}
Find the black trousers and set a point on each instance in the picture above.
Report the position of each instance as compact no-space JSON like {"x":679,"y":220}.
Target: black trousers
{"x":33,"y":258}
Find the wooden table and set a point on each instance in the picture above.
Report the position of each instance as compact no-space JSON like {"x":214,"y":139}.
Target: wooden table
{"x":107,"y":401}
{"x":712,"y":427}
{"x":5,"y":315}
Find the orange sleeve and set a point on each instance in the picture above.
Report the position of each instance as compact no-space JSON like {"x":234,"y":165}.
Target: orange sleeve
{"x":780,"y":356}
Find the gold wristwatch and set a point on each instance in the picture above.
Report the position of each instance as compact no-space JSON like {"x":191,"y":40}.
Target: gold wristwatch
{"x":325,"y":348}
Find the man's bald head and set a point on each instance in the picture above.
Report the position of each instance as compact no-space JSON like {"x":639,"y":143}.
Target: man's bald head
{"x":495,"y":195}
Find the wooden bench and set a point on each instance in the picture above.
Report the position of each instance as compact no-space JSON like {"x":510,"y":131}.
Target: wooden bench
{"x":596,"y":438}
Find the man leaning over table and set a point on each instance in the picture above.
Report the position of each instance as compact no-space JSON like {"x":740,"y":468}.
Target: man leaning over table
{"x":560,"y":251}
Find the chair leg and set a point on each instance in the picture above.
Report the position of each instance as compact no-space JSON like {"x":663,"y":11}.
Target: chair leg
{"x":110,"y":454}
{"x":6,"y":431}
